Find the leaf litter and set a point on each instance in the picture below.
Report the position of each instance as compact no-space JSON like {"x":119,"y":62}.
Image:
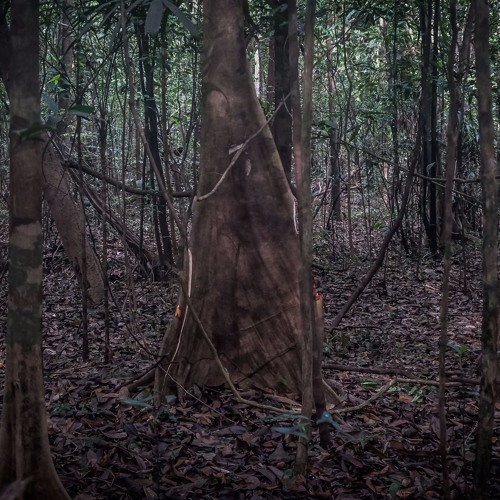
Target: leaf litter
{"x":107,"y":443}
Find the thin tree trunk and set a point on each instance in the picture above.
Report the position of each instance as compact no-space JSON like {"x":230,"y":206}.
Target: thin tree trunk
{"x":487,"y":398}
{"x":165,"y":141}
{"x":24,"y":440}
{"x":434,"y":168}
{"x":302,"y":156}
{"x":103,"y":141}
{"x":333,"y":139}
{"x":87,"y":265}
{"x":393,"y":78}
{"x":83,"y":238}
{"x":429,"y":160}
{"x":151,"y":129}
{"x":318,"y":385}
{"x":451,"y":159}
{"x":66,"y":46}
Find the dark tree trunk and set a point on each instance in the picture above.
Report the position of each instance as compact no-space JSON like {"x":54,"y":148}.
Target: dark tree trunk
{"x":429,"y":27}
{"x":282,"y":123}
{"x":434,"y":168}
{"x":452,"y":131}
{"x":333,"y":139}
{"x":164,"y":243}
{"x":482,"y":470}
{"x":243,"y":258}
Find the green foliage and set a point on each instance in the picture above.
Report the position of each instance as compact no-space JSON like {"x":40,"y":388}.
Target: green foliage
{"x":326,"y":417}
{"x":460,"y":350}
{"x":416,"y":393}
{"x":82,"y":111}
{"x":154,"y":18}
{"x":145,"y":402}
{"x":33,"y":131}
{"x":369,"y":384}
{"x":394,"y":488}
{"x":139,"y":403}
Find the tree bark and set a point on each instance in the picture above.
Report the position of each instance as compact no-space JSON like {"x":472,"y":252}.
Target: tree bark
{"x":242,"y":261}
{"x":70,"y":223}
{"x":429,"y":11}
{"x":67,"y":215}
{"x":334,"y":171}
{"x":23,"y":435}
{"x":164,"y":244}
{"x":489,"y":334}
{"x":282,"y":123}
{"x":451,"y":160}
{"x":301,"y":136}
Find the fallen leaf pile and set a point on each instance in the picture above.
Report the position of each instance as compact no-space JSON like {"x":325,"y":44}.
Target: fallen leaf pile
{"x":109,"y":444}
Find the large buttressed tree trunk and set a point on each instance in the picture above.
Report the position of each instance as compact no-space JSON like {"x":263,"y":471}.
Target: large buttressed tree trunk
{"x":244,"y":247}
{"x":25,"y":454}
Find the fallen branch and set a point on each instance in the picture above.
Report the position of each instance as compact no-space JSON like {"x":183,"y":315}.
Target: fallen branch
{"x":370,"y":400}
{"x":360,"y":369}
{"x":451,"y":382}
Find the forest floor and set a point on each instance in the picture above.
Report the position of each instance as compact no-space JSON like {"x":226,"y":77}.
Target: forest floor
{"x":106,"y":446}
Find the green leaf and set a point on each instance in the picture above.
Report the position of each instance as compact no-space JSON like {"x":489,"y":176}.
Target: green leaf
{"x":55,"y":79}
{"x":295,"y":430}
{"x":30,"y":132}
{"x":394,"y":488}
{"x":138,"y":403}
{"x":459,"y":349}
{"x":326,"y":417}
{"x":154,"y":18}
{"x":367,"y":384}
{"x":186,"y":22}
{"x":82,"y":110}
{"x":413,"y":390}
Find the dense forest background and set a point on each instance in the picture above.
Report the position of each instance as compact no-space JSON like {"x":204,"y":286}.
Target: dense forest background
{"x":354,"y":141}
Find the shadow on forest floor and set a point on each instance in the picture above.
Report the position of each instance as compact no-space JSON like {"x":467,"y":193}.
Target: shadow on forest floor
{"x":209,"y":446}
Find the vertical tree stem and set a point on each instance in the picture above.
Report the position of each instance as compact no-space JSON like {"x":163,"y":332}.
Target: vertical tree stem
{"x":490,"y":234}
{"x":302,"y":154}
{"x":451,"y":156}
